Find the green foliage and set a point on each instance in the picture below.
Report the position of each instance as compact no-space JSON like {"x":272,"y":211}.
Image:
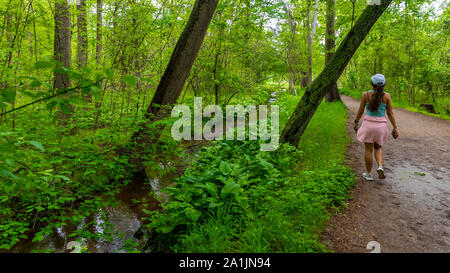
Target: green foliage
{"x":222,"y":176}
{"x":41,"y":185}
{"x":45,"y":169}
{"x":409,"y":45}
{"x":55,"y":172}
{"x":236,"y":198}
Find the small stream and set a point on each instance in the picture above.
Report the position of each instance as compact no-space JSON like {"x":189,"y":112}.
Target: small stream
{"x":274,"y":95}
{"x":117,"y":227}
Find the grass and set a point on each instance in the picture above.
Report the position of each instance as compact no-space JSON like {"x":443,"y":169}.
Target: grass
{"x":401,"y":103}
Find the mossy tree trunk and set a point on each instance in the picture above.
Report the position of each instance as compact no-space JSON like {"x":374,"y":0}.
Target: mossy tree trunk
{"x":183,"y":57}
{"x":177,"y":71}
{"x":330,"y":45}
{"x":315,"y":92}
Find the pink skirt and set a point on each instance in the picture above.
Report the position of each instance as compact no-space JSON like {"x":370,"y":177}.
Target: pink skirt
{"x":373,"y":130}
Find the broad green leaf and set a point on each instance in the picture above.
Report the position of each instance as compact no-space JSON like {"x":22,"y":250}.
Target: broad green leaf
{"x":230,"y":188}
{"x":130,"y":80}
{"x":62,"y":70}
{"x":65,"y":178}
{"x":225,"y":167}
{"x":211,"y":189}
{"x":51,"y":104}
{"x":37,"y":145}
{"x":28,"y":93}
{"x":43,"y":64}
{"x":8,"y":95}
{"x":38,"y":237}
{"x":10,"y":162}
{"x":64,"y":107}
{"x":35,"y":83}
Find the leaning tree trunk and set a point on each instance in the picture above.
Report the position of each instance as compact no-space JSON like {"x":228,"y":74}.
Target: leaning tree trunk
{"x":62,"y":50}
{"x":177,"y":71}
{"x":182,"y":59}
{"x":314,"y":94}
{"x":330,"y":44}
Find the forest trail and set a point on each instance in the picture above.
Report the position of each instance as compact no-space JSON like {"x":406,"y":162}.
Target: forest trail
{"x":409,"y":211}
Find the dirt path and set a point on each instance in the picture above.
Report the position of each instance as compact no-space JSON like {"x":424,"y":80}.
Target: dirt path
{"x":409,"y":211}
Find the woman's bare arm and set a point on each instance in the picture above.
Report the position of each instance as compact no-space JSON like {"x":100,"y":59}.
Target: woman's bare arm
{"x":390,"y":112}
{"x":361,"y":108}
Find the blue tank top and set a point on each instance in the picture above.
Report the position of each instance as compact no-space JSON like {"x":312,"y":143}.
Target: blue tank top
{"x":380,"y":111}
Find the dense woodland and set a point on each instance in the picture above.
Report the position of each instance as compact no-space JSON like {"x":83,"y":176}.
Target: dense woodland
{"x":82,"y":84}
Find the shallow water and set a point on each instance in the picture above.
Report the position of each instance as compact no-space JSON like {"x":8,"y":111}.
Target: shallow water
{"x":117,"y":226}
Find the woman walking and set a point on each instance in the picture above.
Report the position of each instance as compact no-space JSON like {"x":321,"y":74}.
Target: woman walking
{"x":374,"y":131}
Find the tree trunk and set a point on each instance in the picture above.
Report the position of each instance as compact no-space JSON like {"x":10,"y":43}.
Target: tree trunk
{"x":98,"y":48}
{"x":353,"y":11}
{"x":330,"y":44}
{"x":314,"y":94}
{"x":309,"y":38}
{"x":183,"y":57}
{"x":216,"y":85}
{"x":290,"y":57}
{"x":62,"y":50}
{"x":82,"y":49}
{"x":177,"y":71}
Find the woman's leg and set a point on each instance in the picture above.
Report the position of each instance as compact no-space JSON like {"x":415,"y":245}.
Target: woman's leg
{"x":369,"y":157}
{"x":378,"y":154}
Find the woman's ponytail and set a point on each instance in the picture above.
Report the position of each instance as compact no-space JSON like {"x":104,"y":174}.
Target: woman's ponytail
{"x":377,"y":98}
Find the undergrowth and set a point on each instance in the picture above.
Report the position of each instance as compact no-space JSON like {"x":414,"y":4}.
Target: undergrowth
{"x":236,"y":198}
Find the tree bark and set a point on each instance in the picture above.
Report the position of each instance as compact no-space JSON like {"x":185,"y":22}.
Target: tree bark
{"x":314,"y":94}
{"x":306,"y":74}
{"x":183,"y":57}
{"x":177,"y":71}
{"x":309,"y":38}
{"x":98,"y":48}
{"x":330,"y":44}
{"x":290,"y":53}
{"x":62,"y":50}
{"x":82,"y":49}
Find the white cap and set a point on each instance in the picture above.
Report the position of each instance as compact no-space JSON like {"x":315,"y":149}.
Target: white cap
{"x":378,"y":79}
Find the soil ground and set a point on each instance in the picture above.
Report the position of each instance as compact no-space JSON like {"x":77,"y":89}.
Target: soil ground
{"x":409,"y":211}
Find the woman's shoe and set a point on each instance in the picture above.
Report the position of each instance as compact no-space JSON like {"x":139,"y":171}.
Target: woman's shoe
{"x":367,"y":176}
{"x":380,"y":172}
